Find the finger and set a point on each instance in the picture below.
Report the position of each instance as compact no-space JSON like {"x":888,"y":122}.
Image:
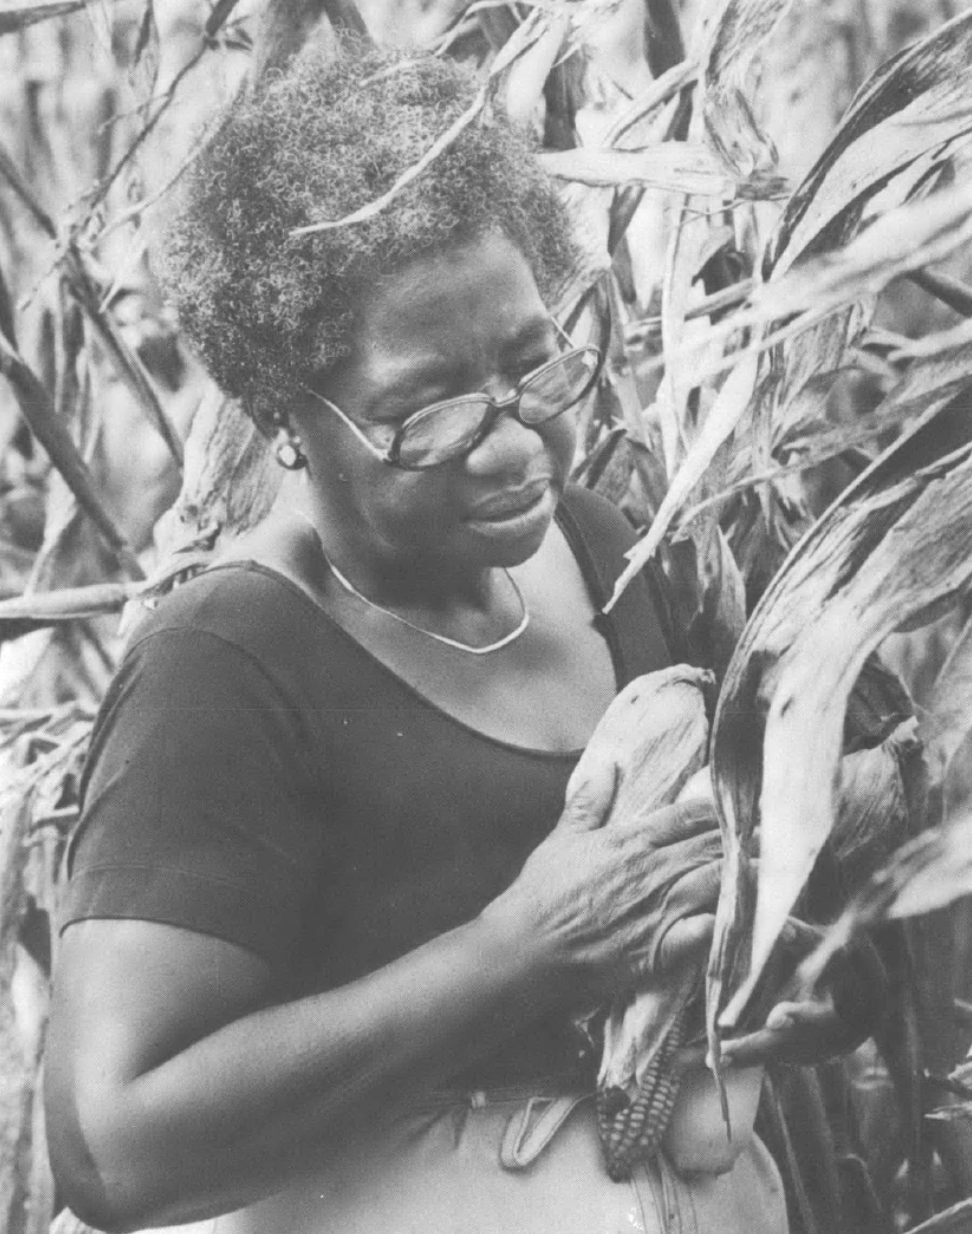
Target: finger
{"x":670,"y":824}
{"x":684,"y":821}
{"x":695,"y":891}
{"x":797,"y":1014}
{"x":766,"y":1045}
{"x":684,"y":941}
{"x":794,"y":1033}
{"x":589,"y":797}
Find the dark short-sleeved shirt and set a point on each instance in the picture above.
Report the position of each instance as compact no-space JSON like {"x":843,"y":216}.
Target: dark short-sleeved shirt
{"x":257,"y":775}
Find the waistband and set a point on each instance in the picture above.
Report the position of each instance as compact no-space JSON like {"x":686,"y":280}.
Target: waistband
{"x":478,"y":1096}
{"x":539,"y":1109}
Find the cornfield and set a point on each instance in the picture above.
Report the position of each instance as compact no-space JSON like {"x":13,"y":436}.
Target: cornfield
{"x":774,"y":199}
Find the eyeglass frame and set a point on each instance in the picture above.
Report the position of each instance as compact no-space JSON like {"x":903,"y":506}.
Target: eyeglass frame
{"x":495,"y":409}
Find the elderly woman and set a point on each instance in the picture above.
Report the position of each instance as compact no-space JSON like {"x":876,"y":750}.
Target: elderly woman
{"x":328,"y":915}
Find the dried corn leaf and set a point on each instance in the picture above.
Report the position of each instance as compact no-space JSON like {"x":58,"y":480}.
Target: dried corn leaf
{"x":905,"y":239}
{"x":897,"y":540}
{"x":928,"y":873}
{"x":523,"y":91}
{"x":947,"y":716}
{"x":734,"y":35}
{"x":872,"y":817}
{"x":19,"y":614}
{"x":53,"y":760}
{"x":36,"y":407}
{"x":14,"y":17}
{"x":89,"y":294}
{"x":857,"y":165}
{"x":913,"y":104}
{"x":229,"y":482}
{"x":671,"y":166}
{"x":728,"y":409}
{"x":734,"y":39}
{"x":633,"y":125}
{"x":902,"y":240}
{"x":954,"y":1220}
{"x":688,"y":231}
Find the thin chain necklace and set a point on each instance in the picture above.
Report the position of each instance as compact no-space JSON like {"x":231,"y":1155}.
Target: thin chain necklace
{"x":350,"y":588}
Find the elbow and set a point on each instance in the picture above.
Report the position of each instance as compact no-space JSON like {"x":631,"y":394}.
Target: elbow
{"x":95,"y":1171}
{"x":95,"y":1206}
{"x":92,"y":1196}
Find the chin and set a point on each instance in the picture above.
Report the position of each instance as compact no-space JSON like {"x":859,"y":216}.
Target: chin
{"x":510,"y":551}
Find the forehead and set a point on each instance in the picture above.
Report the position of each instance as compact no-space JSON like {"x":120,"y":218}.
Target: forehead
{"x":468,"y":304}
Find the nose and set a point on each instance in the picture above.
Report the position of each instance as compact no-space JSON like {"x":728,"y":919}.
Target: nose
{"x":507,"y":446}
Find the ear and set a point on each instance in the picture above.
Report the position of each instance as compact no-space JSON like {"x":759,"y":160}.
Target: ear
{"x":266,"y":421}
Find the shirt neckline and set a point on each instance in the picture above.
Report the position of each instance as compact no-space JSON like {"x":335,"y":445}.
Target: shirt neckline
{"x":605,"y":627}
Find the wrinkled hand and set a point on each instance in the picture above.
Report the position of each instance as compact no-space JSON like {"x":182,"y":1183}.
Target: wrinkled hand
{"x":840,"y":1017}
{"x":617,"y":905}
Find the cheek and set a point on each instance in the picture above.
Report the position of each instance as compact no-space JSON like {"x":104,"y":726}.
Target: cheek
{"x":560,"y":438}
{"x":408,"y":504}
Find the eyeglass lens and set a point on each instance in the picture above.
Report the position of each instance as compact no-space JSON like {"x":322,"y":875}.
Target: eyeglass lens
{"x":445,"y":431}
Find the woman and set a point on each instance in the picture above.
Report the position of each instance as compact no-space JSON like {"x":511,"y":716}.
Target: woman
{"x":328,"y":915}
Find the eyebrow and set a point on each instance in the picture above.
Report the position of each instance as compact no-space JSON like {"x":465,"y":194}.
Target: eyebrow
{"x":429,"y":371}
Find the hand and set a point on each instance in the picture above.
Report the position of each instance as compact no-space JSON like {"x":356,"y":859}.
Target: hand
{"x":617,"y":905}
{"x":843,"y":1014}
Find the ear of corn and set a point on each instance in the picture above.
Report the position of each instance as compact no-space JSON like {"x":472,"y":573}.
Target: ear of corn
{"x":654,"y":735}
{"x":632,"y":1126}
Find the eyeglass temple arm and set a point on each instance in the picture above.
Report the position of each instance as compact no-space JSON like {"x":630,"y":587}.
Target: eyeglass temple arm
{"x":600,"y":347}
{"x":383,"y":456}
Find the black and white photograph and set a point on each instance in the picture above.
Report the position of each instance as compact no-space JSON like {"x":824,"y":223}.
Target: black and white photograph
{"x":486,"y":616}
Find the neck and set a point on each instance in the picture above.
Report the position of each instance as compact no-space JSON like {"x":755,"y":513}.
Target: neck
{"x":390,"y":578}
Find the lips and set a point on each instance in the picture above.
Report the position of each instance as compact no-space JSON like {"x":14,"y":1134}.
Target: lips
{"x":510,"y":502}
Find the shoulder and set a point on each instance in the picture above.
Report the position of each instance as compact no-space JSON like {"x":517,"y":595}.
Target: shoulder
{"x":241,"y":605}
{"x":221,"y":652}
{"x":601,"y":537}
{"x":596,"y":515}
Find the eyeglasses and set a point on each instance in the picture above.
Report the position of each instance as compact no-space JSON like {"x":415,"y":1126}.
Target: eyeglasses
{"x":454,"y":428}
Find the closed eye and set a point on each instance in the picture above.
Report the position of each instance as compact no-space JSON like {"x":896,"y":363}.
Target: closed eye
{"x":527,"y":367}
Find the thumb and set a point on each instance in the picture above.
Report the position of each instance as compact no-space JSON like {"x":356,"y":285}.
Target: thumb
{"x":589,"y":796}
{"x":684,"y":941}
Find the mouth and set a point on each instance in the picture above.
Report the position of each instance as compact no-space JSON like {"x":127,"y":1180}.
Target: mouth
{"x":515,"y":517}
{"x":511,"y":504}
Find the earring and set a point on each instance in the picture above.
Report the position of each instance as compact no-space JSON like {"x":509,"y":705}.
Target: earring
{"x":290,"y":455}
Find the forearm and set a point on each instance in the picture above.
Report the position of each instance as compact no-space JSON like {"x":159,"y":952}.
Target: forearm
{"x":225,"y":1120}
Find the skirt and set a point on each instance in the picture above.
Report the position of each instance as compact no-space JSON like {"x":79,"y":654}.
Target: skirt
{"x":510,"y":1162}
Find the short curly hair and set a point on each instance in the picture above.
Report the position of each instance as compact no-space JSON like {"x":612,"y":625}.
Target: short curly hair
{"x":268,"y":311}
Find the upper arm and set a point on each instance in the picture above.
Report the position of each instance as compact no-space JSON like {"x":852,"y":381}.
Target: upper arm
{"x":128,"y":995}
{"x":200,"y":807}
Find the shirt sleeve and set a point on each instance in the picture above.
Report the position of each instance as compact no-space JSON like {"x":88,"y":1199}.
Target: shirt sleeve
{"x":199,"y":807}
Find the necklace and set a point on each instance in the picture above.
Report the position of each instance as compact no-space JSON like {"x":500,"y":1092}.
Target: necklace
{"x":350,"y":588}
